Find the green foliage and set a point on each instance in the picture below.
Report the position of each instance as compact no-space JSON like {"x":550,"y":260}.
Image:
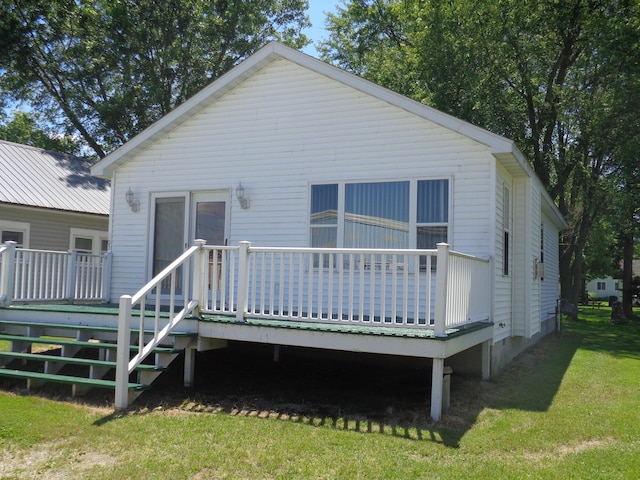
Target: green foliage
{"x":23,"y":128}
{"x":559,"y":78}
{"x":111,"y":68}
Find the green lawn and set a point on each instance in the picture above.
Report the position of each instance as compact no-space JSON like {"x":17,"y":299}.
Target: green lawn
{"x":568,"y":408}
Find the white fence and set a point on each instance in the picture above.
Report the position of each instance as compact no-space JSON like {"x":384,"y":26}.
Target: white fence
{"x":363,"y":286}
{"x":28,"y":275}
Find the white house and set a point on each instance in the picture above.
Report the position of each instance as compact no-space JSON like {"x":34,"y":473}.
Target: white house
{"x":376,"y":224}
{"x":604,"y":287}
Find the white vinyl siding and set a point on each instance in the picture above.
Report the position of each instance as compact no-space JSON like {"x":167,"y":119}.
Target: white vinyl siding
{"x":549,"y":292}
{"x":503,"y":304}
{"x":281,"y":131}
{"x":521,"y":247}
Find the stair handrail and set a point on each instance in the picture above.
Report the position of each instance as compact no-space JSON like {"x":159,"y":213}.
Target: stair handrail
{"x":125,"y":365}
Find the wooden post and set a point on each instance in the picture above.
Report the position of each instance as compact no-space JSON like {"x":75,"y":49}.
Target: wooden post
{"x":189,"y":366}
{"x":122,"y":355}
{"x":442,"y":279}
{"x":70,"y":285}
{"x":437,"y":373}
{"x":200,"y":271}
{"x":243,"y":281}
{"x":8,"y":272}
{"x":106,"y":276}
{"x":486,"y":360}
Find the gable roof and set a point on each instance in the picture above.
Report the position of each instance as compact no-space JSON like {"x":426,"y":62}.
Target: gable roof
{"x":35,"y":177}
{"x":270,"y":53}
{"x":502,"y":148}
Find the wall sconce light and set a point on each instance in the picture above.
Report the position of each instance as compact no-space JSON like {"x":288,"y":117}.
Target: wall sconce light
{"x":131,"y":200}
{"x":244,"y":202}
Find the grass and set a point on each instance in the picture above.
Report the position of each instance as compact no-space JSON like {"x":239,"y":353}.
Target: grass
{"x":567,"y":408}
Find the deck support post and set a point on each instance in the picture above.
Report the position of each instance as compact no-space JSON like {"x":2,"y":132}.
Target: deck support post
{"x":189,"y":366}
{"x":243,"y":281}
{"x":437,"y":381}
{"x":122,"y":355}
{"x":486,"y":360}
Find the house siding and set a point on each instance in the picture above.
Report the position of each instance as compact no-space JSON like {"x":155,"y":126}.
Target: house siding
{"x":549,"y":286}
{"x":521,"y":247}
{"x":51,"y":229}
{"x":534,"y":324}
{"x":280,"y":131}
{"x":504,"y":283}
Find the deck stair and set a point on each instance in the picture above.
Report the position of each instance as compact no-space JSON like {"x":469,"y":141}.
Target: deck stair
{"x":80,"y":355}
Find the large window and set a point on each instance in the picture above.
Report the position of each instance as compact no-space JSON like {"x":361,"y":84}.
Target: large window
{"x":379,"y":215}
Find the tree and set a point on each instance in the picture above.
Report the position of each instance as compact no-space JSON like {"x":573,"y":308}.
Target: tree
{"x":111,"y":68}
{"x":541,"y":73}
{"x":23,"y":128}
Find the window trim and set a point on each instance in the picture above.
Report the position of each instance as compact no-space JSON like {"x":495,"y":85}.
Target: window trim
{"x":97,"y":236}
{"x":12,"y":226}
{"x":413,"y":207}
{"x":506,"y":230}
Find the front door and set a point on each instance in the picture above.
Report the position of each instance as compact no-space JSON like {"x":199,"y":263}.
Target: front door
{"x":175,"y":227}
{"x":208,"y":213}
{"x":169,"y":236}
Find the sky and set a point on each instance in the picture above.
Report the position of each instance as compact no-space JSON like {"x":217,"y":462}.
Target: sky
{"x":317,"y":14}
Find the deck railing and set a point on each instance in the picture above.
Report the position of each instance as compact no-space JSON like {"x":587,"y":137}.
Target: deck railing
{"x":29,"y":275}
{"x":177,"y":285}
{"x":436,"y":289}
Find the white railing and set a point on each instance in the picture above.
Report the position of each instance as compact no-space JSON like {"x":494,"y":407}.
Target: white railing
{"x":435,"y":289}
{"x":47,"y":276}
{"x":396,"y":288}
{"x":173,"y":285}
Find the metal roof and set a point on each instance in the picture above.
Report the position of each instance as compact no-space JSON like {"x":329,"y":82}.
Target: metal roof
{"x":34,"y":177}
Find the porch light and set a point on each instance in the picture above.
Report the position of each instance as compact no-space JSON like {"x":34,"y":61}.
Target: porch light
{"x":244,"y":202}
{"x":131,"y":200}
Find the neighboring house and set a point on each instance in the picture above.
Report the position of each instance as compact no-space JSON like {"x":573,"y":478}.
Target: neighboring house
{"x":50,"y":201}
{"x":288,"y":151}
{"x":604,"y":288}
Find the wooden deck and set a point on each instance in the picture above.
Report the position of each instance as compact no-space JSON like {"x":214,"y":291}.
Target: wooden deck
{"x":403,"y":341}
{"x":214,"y":331}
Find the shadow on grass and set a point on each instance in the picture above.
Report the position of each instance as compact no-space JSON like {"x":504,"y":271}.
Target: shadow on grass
{"x":372,"y":394}
{"x":599,"y":334}
{"x":355,"y":392}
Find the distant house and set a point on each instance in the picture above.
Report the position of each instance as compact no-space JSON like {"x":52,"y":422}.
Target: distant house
{"x":50,"y":201}
{"x":604,"y":288}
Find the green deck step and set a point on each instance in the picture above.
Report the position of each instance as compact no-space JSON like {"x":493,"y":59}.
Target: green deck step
{"x":73,"y":360}
{"x":48,"y":377}
{"x":85,"y":327}
{"x":78,"y":343}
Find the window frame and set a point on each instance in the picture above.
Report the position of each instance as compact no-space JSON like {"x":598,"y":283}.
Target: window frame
{"x":22,"y":227}
{"x":413,"y":208}
{"x":506,"y":230}
{"x":96,"y":237}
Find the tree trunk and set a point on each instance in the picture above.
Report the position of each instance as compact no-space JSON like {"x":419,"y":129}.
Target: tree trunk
{"x":627,"y":275}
